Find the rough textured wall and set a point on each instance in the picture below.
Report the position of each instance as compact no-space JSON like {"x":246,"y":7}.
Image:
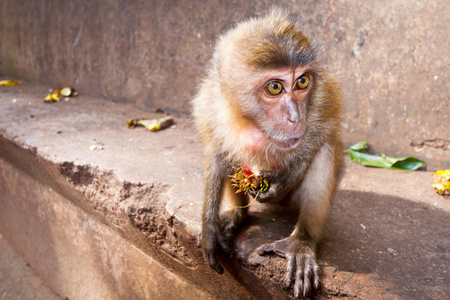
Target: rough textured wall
{"x":392,"y":57}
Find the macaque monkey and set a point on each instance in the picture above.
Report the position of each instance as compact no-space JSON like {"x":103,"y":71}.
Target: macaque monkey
{"x":267,"y":103}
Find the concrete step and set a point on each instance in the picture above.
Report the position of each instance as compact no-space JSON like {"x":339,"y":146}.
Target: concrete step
{"x":18,"y":280}
{"x":101,"y":211}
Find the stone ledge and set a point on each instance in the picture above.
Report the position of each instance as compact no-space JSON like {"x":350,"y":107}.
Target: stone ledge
{"x":132,"y":206}
{"x":122,"y":219}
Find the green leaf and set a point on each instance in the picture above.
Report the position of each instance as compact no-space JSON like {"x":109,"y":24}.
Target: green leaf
{"x":368,"y":159}
{"x":382,"y":161}
{"x":407,"y":163}
{"x":359,"y":146}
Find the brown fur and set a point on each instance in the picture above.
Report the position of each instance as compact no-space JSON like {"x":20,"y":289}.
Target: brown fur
{"x":231,"y":99}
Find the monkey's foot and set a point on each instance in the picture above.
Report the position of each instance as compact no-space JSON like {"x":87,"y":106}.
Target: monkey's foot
{"x":301,"y":263}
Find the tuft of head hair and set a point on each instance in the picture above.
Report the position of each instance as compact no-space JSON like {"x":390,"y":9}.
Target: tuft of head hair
{"x":274,"y":41}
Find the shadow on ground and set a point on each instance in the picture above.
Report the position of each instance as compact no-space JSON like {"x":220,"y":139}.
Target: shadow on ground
{"x":403,"y":244}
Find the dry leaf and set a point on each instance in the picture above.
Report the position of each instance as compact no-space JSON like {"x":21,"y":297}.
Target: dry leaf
{"x":9,"y":82}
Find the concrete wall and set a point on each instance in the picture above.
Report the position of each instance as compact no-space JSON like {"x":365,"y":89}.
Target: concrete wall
{"x":391,"y":56}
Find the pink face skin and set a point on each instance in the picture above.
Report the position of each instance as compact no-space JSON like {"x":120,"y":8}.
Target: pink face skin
{"x":285,"y":111}
{"x":252,"y":139}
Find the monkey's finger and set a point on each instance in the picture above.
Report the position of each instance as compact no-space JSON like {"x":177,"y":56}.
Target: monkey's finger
{"x":210,"y":248}
{"x":218,"y":268}
{"x":223,"y":244}
{"x":266,"y":248}
{"x":299,"y":275}
{"x":315,"y":275}
{"x":290,"y":268}
{"x":269,"y":175}
{"x":279,"y":248}
{"x":307,"y":278}
{"x":261,"y":250}
{"x":280,"y":252}
{"x":199,"y":239}
{"x":298,"y":286}
{"x":213,"y":263}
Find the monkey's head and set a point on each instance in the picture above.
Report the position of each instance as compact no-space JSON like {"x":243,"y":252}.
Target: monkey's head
{"x":273,"y":93}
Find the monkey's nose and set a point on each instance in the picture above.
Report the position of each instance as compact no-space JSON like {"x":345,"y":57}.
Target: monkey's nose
{"x":293,"y":114}
{"x":293,"y":119}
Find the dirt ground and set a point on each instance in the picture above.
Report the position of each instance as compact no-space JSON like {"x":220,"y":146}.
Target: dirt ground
{"x":387,"y":238}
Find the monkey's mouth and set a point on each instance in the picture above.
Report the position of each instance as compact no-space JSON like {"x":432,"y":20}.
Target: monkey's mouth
{"x":285,"y":142}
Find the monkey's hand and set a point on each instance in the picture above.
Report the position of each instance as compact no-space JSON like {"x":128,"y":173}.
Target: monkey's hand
{"x":276,"y":190}
{"x":211,"y":241}
{"x":301,"y":263}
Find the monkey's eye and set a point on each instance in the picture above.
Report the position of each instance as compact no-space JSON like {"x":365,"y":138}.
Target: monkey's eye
{"x":303,"y":82}
{"x":274,"y":88}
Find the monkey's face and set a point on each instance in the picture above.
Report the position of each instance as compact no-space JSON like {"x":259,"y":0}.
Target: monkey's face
{"x":282,"y":96}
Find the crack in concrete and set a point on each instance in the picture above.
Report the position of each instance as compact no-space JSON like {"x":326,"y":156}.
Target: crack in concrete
{"x":437,"y":143}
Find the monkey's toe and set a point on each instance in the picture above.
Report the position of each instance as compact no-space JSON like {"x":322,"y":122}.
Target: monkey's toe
{"x":278,"y":247}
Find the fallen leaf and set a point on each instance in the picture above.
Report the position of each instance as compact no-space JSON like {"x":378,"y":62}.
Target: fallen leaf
{"x":9,"y":82}
{"x":152,"y":125}
{"x":356,"y":154}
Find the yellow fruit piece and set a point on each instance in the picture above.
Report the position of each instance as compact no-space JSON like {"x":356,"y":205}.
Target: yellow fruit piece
{"x":55,"y":97}
{"x":441,"y":182}
{"x":67,"y":91}
{"x":9,"y":83}
{"x":48,"y":98}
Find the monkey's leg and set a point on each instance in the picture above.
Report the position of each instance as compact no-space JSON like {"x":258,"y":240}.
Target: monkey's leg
{"x":314,"y":196}
{"x":233,"y":209}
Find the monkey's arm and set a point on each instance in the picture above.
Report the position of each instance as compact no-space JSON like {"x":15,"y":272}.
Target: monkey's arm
{"x":215,"y":172}
{"x":314,"y":198}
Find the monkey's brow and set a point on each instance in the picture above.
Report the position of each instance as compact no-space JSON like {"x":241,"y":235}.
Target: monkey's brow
{"x":289,"y":50}
{"x":283,"y":73}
